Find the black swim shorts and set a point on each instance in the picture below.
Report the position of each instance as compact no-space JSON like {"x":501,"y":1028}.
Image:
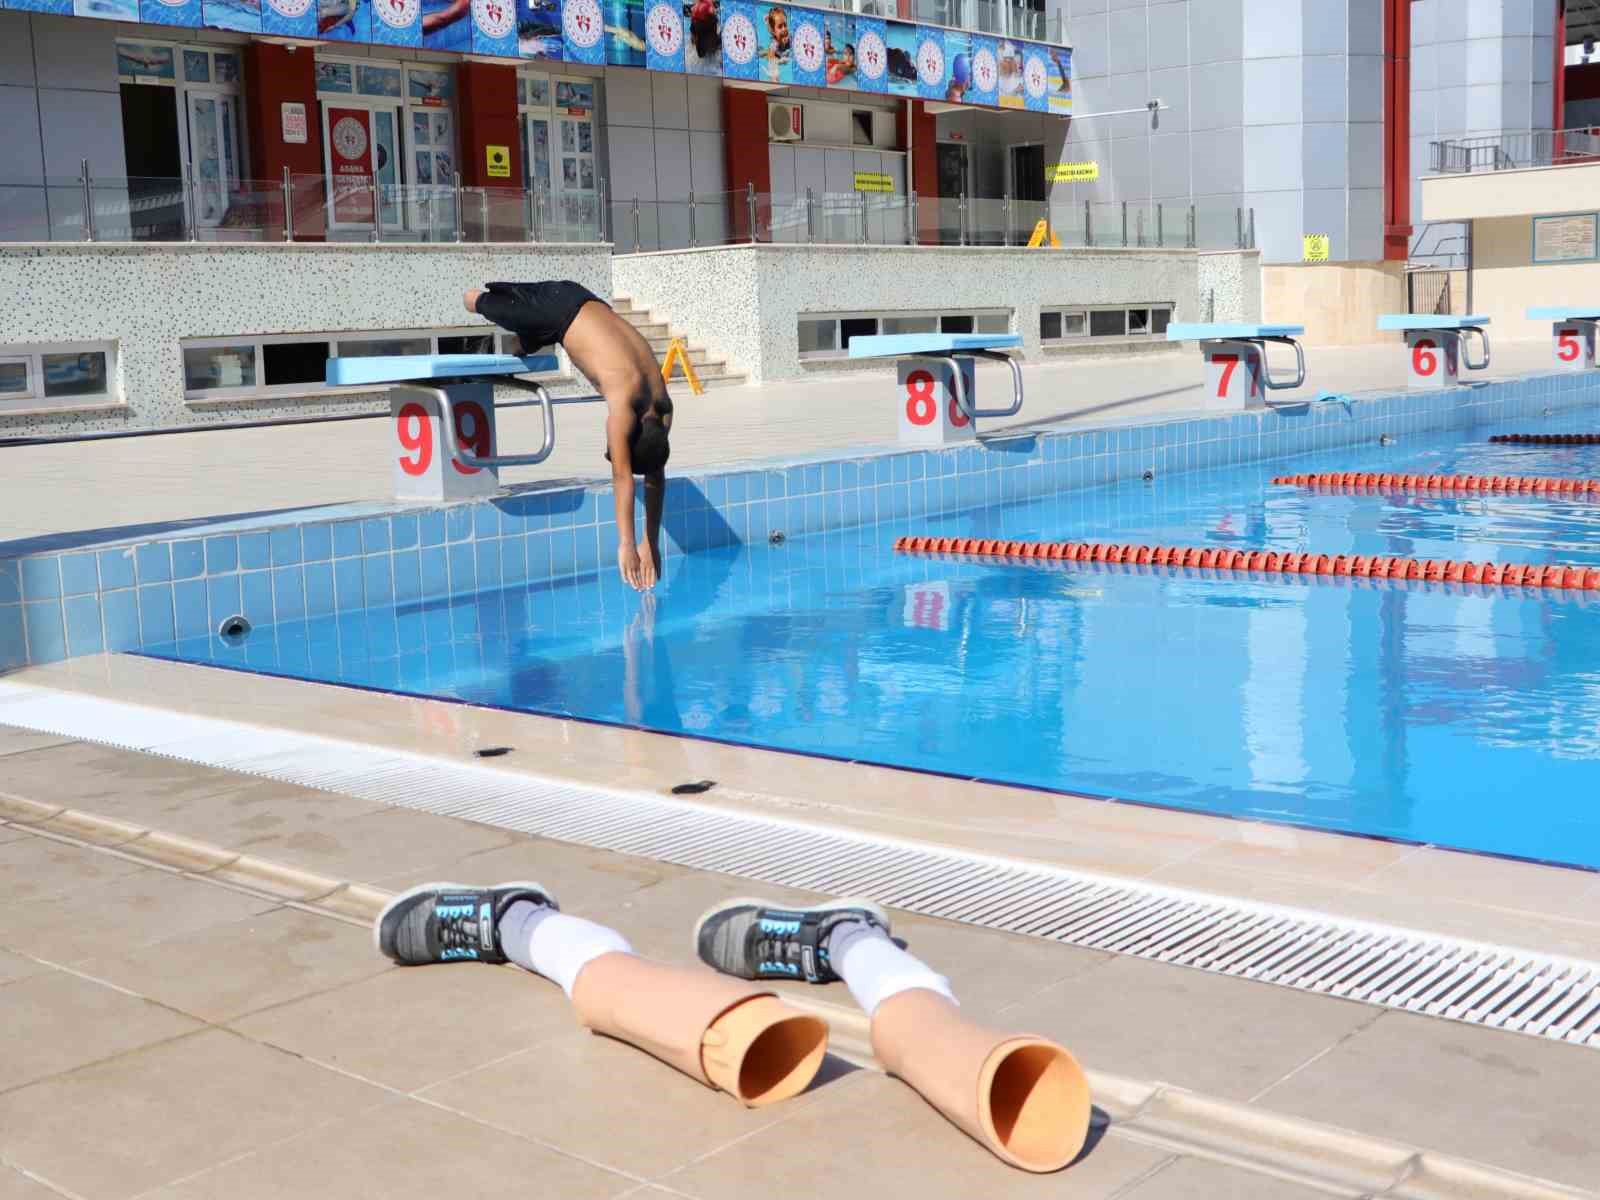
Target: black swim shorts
{"x":538,"y":313}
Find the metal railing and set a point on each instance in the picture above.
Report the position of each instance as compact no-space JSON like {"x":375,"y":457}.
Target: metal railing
{"x":366,"y":208}
{"x":1513,"y":151}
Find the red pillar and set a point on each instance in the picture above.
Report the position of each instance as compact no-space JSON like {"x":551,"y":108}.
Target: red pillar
{"x":1397,"y":130}
{"x":922,"y":139}
{"x":744,"y":124}
{"x":275,"y":76}
{"x":487,"y":108}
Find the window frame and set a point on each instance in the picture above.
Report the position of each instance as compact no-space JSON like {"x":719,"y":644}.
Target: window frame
{"x":1087,"y":311}
{"x":274,"y":391}
{"x":33,"y":354}
{"x":937,"y":315}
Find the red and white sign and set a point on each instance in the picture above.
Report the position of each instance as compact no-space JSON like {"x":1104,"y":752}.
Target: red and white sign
{"x":350,"y":149}
{"x":926,"y":398}
{"x":927,"y":605}
{"x":1233,"y":376}
{"x":294,"y":122}
{"x":1573,"y":345}
{"x":1433,"y":358}
{"x":421,"y":471}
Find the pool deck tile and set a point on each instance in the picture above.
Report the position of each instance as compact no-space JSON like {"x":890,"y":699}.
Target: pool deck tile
{"x":35,"y":869}
{"x":1480,"y":1093}
{"x":1197,"y":1179}
{"x":16,"y":1186}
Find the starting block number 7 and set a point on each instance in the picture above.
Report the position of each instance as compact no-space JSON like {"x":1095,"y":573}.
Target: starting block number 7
{"x":929,"y":413}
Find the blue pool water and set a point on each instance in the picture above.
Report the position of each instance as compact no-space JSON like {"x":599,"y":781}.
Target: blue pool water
{"x":1442,"y":716}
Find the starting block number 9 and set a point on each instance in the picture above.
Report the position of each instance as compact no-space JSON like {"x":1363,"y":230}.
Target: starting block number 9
{"x":418,"y":470}
{"x":929,"y":413}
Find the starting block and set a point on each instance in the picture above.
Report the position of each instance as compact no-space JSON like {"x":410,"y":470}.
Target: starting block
{"x":1438,"y":346}
{"x":937,"y":378}
{"x":1572,"y":334}
{"x":1238,"y":375}
{"x":441,"y":410}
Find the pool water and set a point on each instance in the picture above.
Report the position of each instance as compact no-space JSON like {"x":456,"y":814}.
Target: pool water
{"x":1436,"y":715}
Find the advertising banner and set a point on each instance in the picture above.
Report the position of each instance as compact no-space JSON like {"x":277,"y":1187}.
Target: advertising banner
{"x":167,"y":12}
{"x":242,"y":16}
{"x":583,"y":31}
{"x":289,"y":18}
{"x":932,"y":69}
{"x":1060,"y":80}
{"x":739,"y":39}
{"x":350,"y":150}
{"x":494,"y":28}
{"x":397,"y":22}
{"x":983,"y":85}
{"x":807,"y":36}
{"x":1009,"y":57}
{"x":958,"y":66}
{"x":872,"y":54}
{"x":344,"y":20}
{"x":664,"y":32}
{"x":447,"y":25}
{"x":1035,"y":79}
{"x":539,"y":30}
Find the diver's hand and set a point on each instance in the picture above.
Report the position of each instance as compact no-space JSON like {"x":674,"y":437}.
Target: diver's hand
{"x":469,"y":298}
{"x":629,"y":566}
{"x":649,"y":569}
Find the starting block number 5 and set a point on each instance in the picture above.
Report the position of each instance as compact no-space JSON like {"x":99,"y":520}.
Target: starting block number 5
{"x":420,"y":471}
{"x":929,"y":413}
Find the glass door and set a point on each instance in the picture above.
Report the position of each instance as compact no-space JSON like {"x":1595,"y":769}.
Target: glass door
{"x":360,"y":148}
{"x":213,"y":154}
{"x":577,"y":200}
{"x":536,"y":170}
{"x":433,"y":166}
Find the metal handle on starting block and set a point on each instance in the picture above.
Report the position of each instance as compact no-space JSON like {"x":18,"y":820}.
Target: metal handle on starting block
{"x":1267,"y":379}
{"x":447,"y":426}
{"x":965,"y":402}
{"x":1466,"y":355}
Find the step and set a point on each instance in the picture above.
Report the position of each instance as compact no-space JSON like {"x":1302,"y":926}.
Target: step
{"x":650,"y":329}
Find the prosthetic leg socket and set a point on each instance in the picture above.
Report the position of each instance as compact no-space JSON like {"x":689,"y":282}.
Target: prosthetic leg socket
{"x":1023,"y":1097}
{"x":717,"y":1030}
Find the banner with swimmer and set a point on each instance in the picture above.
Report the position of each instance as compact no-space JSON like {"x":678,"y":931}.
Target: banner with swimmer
{"x":734,"y":39}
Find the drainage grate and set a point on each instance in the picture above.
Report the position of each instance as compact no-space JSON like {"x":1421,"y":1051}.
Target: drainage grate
{"x":1482,"y":984}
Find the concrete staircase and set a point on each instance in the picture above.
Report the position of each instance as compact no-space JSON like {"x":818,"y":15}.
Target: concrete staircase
{"x":713,"y":372}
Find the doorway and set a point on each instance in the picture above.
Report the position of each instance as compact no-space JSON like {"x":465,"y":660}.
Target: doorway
{"x":954,"y":177}
{"x":361,"y":154}
{"x":1027,"y":172}
{"x":154,"y":156}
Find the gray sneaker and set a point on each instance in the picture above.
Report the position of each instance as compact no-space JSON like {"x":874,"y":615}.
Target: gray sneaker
{"x":450,"y":922}
{"x":756,"y":939}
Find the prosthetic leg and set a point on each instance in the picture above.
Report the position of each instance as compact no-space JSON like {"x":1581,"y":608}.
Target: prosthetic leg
{"x":1023,"y":1097}
{"x":727,"y":1035}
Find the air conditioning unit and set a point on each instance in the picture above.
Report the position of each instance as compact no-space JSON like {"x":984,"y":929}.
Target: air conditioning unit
{"x":784,"y":122}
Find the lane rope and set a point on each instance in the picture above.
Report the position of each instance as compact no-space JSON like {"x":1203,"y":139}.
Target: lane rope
{"x":1385,"y":481}
{"x":1268,"y":562}
{"x":1547,"y":439}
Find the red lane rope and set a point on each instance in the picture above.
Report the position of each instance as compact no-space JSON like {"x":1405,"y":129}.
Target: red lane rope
{"x":1547,"y":439}
{"x":1376,"y":566}
{"x":1394,"y":482}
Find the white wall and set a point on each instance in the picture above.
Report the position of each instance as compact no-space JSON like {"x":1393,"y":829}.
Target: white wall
{"x":664,"y":140}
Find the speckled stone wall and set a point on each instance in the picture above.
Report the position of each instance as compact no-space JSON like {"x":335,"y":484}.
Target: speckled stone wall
{"x":745,"y":301}
{"x":1230,"y":281}
{"x":148,"y":297}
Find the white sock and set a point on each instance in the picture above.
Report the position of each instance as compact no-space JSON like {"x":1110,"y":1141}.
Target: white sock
{"x":874,"y":968}
{"x":538,"y":938}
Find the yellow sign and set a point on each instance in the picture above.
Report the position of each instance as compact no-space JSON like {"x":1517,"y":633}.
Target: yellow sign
{"x":1078,"y":172}
{"x":676,"y":354}
{"x":1316,"y":247}
{"x":498,"y":159}
{"x":1039,"y":232}
{"x":866,"y":181}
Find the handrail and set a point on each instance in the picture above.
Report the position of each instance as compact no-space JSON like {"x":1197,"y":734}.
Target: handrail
{"x":453,"y":448}
{"x":965,"y":402}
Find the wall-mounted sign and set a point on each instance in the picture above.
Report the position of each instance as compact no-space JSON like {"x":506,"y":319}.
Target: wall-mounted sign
{"x":1074,"y":172}
{"x":294,"y":122}
{"x":1315,"y":247}
{"x":1569,"y":238}
{"x":497,"y":162}
{"x":867,"y":181}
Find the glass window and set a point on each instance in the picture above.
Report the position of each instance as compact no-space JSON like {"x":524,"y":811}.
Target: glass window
{"x":14,"y":377}
{"x":854,"y":327}
{"x":994,"y":323}
{"x":1049,"y":326}
{"x":538,"y":91}
{"x":295,"y":362}
{"x":371,"y":348}
{"x":335,"y":77}
{"x":1112,"y":323}
{"x":206,"y":367}
{"x":378,"y":81}
{"x":819,"y":336}
{"x":1159,"y":318}
{"x":956,"y":323}
{"x":140,"y":60}
{"x":431,"y":87}
{"x":227,"y":67}
{"x":1072,"y":324}
{"x":571,"y":94}
{"x":1138,"y":320}
{"x":910,"y":325}
{"x":197,"y":66}
{"x":476,"y":344}
{"x":74,"y":374}
{"x":861,"y":127}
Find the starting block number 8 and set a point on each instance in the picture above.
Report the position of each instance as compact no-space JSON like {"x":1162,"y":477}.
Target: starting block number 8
{"x":929,"y":413}
{"x":419,"y":471}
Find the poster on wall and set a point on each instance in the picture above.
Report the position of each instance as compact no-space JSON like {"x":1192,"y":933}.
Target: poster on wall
{"x":664,"y":24}
{"x":902,"y":58}
{"x":583,"y":30}
{"x":930,"y":63}
{"x":871,"y":55}
{"x":1009,"y":57}
{"x":983,"y":84}
{"x":624,"y":25}
{"x":447,"y":25}
{"x":105,"y":10}
{"x":61,"y":8}
{"x":350,"y":151}
{"x":141,"y":61}
{"x":1035,"y":79}
{"x":738,"y":39}
{"x":808,"y":37}
{"x":774,"y":44}
{"x":1060,"y":79}
{"x":170,"y":12}
{"x":539,"y":30}
{"x":958,"y":66}
{"x":494,"y":28}
{"x":431,"y":88}
{"x":343,"y":20}
{"x":702,"y":44}
{"x":242,"y":16}
{"x":289,"y":18}
{"x":397,"y":22}
{"x":839,"y":51}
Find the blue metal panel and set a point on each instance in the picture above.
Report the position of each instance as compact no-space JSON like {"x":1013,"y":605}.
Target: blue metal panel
{"x":1404,"y":321}
{"x":1565,"y":312}
{"x":400,"y":368}
{"x":1226,"y":330}
{"x":889,"y":345}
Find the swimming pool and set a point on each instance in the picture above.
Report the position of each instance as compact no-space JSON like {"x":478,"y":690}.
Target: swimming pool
{"x":1449,"y":716}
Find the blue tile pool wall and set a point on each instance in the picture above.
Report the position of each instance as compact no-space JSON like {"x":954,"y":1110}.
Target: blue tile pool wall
{"x":124,"y":597}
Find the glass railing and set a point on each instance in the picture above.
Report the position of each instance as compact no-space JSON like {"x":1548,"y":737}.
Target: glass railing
{"x":364,"y":208}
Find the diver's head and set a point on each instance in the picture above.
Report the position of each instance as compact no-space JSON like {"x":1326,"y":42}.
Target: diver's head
{"x":648,"y":446}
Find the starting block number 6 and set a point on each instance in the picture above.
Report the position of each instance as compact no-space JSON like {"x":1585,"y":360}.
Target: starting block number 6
{"x":929,"y":413}
{"x":418,"y":470}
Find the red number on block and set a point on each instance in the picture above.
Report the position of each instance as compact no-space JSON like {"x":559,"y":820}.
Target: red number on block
{"x":921,"y":406}
{"x":1423,"y":359}
{"x":1568,"y":347}
{"x":472,"y":433}
{"x":958,"y":418}
{"x":416,"y":436}
{"x":1229,"y":362}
